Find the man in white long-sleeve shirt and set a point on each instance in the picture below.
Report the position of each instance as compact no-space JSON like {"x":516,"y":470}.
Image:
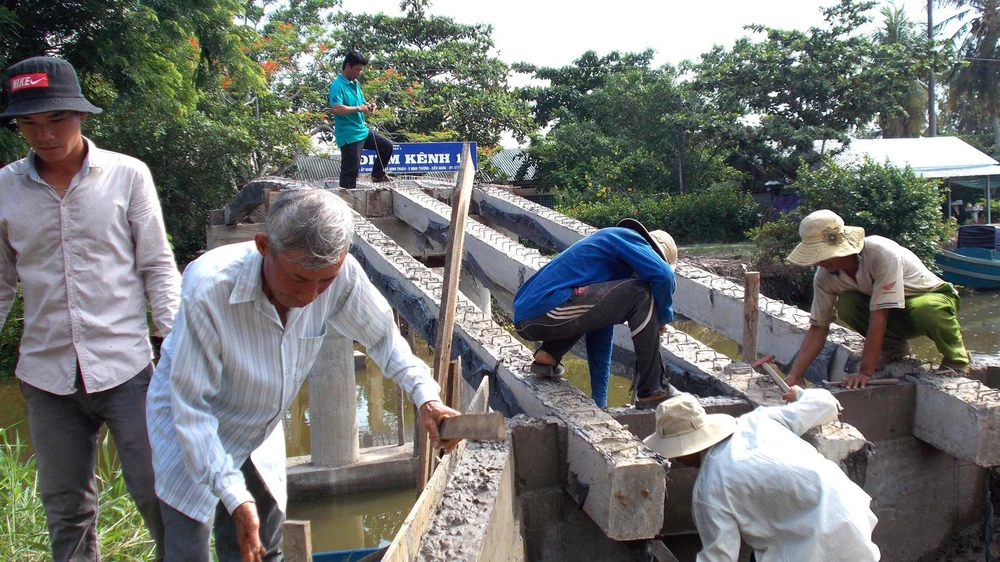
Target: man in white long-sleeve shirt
{"x":250,"y":326}
{"x":82,"y":229}
{"x":760,"y":482}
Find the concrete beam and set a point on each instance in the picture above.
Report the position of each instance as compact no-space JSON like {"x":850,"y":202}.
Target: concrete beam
{"x":503,"y":265}
{"x":959,"y":416}
{"x":708,"y":299}
{"x":624,"y":483}
{"x":475,"y":519}
{"x":377,"y":468}
{"x":506,"y":264}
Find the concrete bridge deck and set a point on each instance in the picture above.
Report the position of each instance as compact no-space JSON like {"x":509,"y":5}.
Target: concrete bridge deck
{"x":939,"y":432}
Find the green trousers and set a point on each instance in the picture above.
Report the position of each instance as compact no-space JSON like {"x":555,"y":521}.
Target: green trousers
{"x":933,"y":314}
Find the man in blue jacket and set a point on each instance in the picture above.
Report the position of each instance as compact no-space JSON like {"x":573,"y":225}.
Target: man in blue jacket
{"x":619,"y":275}
{"x":348,"y":105}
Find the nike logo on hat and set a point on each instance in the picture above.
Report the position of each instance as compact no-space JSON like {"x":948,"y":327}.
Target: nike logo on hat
{"x":24,"y":81}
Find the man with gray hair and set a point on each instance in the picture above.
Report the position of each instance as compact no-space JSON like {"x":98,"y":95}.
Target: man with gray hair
{"x":252,"y":319}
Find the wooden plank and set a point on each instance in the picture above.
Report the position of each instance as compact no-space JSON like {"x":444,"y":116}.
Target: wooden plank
{"x":449,"y":294}
{"x":453,"y":265}
{"x":751,"y":292}
{"x":297,"y":541}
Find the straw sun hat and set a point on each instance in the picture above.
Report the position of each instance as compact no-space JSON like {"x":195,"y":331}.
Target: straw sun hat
{"x":824,"y":236}
{"x":660,"y":240}
{"x":683,"y":428}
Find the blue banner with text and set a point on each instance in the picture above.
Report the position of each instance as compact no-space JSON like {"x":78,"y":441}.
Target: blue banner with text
{"x":421,"y":157}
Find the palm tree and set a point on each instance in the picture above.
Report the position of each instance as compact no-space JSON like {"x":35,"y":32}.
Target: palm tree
{"x":976,"y":78}
{"x":899,"y":30}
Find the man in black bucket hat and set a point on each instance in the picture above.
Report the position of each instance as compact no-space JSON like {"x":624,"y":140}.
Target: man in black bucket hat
{"x":82,"y":230}
{"x":617,"y":275}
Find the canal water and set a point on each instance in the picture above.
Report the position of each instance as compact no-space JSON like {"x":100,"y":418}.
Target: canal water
{"x":363,"y":520}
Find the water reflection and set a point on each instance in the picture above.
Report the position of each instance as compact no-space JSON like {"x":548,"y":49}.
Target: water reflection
{"x":354,"y":520}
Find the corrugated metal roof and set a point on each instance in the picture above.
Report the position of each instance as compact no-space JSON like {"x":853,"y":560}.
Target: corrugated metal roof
{"x":514,"y":164}
{"x":316,"y":168}
{"x":930,"y":157}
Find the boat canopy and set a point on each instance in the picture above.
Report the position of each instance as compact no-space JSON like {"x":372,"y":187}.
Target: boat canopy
{"x":946,"y":158}
{"x":979,"y":236}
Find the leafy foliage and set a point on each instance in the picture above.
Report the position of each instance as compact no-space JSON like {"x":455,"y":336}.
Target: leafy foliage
{"x":775,"y":96}
{"x":880,"y":198}
{"x":719,"y":214}
{"x":434,"y":76}
{"x":618,"y":123}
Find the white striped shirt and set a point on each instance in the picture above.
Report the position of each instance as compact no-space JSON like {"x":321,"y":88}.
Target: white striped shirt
{"x":86,"y":262}
{"x":229,"y":371}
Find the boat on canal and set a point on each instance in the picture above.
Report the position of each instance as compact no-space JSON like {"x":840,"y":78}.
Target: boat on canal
{"x":975,"y":262}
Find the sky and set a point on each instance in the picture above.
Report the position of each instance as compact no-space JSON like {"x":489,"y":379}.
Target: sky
{"x":556,"y":32}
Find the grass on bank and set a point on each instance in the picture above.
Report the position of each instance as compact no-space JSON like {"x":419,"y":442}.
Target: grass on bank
{"x":23,"y":532}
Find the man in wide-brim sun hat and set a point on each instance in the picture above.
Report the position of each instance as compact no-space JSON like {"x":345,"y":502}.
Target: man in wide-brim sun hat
{"x":878,"y":288}
{"x":760,"y":483}
{"x":617,"y":275}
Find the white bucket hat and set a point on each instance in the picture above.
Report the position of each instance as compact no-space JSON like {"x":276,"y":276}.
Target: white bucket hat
{"x":660,"y":240}
{"x":683,"y":428}
{"x":824,"y":236}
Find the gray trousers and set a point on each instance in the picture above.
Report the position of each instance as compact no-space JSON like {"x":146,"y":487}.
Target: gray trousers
{"x":188,"y":540}
{"x":600,"y":306}
{"x":64,"y":433}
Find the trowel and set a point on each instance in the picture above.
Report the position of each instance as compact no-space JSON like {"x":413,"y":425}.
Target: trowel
{"x":474,"y":427}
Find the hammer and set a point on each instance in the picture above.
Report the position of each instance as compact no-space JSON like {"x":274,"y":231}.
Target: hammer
{"x":765,"y":364}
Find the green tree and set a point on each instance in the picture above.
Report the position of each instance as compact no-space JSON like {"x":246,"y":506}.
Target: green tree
{"x":974,"y":80}
{"x":882,"y":199}
{"x":434,"y":77}
{"x":774,"y":97}
{"x":184,"y":87}
{"x":900,"y":33}
{"x":618,"y":123}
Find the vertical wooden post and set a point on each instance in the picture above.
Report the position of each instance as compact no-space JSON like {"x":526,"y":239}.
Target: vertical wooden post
{"x":297,"y":541}
{"x":460,"y":198}
{"x":411,"y":339}
{"x":454,"y":393}
{"x":751,"y":284}
{"x":400,"y":419}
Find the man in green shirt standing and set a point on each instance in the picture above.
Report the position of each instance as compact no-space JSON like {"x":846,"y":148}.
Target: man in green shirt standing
{"x":348,"y":105}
